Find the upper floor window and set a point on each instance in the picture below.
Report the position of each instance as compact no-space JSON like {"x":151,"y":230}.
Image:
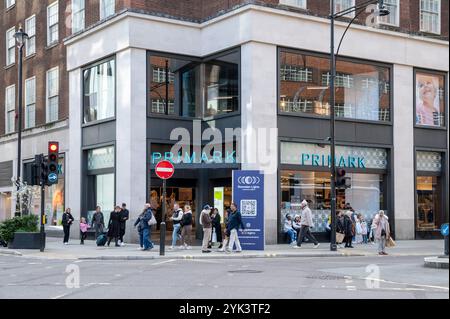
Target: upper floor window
{"x":52,"y":23}
{"x":52,"y":94}
{"x":294,"y":3}
{"x":9,"y":3}
{"x":107,"y":8}
{"x":341,"y":5}
{"x":99,"y":91}
{"x":430,"y":16}
{"x":394,"y":17}
{"x":77,"y":15}
{"x":30,"y":29}
{"x":362,"y":89}
{"x":10,"y":46}
{"x":430,"y":98}
{"x":10,"y":109}
{"x":197,"y":88}
{"x":30,"y":102}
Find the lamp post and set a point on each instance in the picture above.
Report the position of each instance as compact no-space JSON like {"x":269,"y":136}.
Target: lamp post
{"x":21,"y":37}
{"x":382,"y":11}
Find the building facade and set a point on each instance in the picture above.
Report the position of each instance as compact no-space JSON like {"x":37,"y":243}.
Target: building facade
{"x":247,"y":86}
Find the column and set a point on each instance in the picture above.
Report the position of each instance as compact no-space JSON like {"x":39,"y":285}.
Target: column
{"x":259,"y":142}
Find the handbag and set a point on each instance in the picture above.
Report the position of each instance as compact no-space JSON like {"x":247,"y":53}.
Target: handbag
{"x":214,"y":236}
{"x":152,"y":221}
{"x":390,"y":242}
{"x":339,"y":238}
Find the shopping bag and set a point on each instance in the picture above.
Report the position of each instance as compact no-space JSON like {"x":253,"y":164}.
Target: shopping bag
{"x":339,"y":238}
{"x":214,"y":236}
{"x":390,"y":242}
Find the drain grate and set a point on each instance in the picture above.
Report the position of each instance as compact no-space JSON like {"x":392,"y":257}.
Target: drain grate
{"x":245,"y":271}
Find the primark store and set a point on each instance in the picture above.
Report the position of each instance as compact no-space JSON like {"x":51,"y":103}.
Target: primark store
{"x":391,"y":128}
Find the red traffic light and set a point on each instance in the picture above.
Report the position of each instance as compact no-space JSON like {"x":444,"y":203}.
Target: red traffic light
{"x":53,"y":147}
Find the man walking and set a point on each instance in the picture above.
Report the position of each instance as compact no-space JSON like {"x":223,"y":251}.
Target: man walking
{"x":124,"y":215}
{"x":234,"y":223}
{"x":98,"y":222}
{"x":206,"y":222}
{"x":176,"y":218}
{"x":306,"y":224}
{"x":147,"y":216}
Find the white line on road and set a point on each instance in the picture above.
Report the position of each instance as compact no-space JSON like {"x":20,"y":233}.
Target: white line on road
{"x":405,"y":283}
{"x":352,"y":288}
{"x":164,"y":262}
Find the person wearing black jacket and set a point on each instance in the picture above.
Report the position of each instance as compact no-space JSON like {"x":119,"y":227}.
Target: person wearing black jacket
{"x":348,"y":229}
{"x":186,"y":223}
{"x":67,"y":220}
{"x":114,"y":226}
{"x":124,"y":216}
{"x":217,"y":226}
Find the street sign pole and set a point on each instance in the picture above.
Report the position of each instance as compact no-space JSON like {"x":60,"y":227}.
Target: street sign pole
{"x":444,"y":232}
{"x":42,"y":211}
{"x":162,"y":241}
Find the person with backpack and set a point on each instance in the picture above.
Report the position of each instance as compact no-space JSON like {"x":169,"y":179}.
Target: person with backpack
{"x":186,"y":223}
{"x":67,"y":220}
{"x":147,"y":216}
{"x":176,"y":218}
{"x":206,"y":222}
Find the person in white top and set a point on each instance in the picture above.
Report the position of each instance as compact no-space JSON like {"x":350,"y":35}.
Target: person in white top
{"x":176,"y":218}
{"x":306,"y":225}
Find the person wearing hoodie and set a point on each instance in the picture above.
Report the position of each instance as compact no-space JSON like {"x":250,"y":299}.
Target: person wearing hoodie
{"x":206,"y":222}
{"x":307,"y":224}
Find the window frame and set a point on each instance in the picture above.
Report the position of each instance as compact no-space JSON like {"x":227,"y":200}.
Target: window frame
{"x":48,"y":97}
{"x":30,"y":36}
{"x":439,"y":27}
{"x":390,"y":68}
{"x":87,"y":67}
{"x":9,"y":130}
{"x":73,"y":13}
{"x":54,"y":4}
{"x":9,"y":4}
{"x":431,"y":72}
{"x":287,"y":3}
{"x":8,"y":48}
{"x":102,"y":13}
{"x":26,"y":126}
{"x":349,"y":15}
{"x":397,"y":16}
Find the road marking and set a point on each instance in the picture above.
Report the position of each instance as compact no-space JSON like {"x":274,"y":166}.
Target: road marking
{"x":351,"y":288}
{"x":409,"y":284}
{"x":164,"y":262}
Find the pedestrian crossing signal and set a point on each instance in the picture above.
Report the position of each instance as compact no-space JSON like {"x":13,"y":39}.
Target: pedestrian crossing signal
{"x":343,"y":181}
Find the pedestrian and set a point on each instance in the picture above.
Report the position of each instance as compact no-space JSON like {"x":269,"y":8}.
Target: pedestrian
{"x":83,"y":230}
{"x":206,"y":222}
{"x":137,"y":224}
{"x":177,"y":215}
{"x":227,"y":231}
{"x":186,"y":223}
{"x":67,"y":220}
{"x":114,"y":226}
{"x":297,"y":225}
{"x":98,"y":222}
{"x":289,"y":229}
{"x":124,"y":216}
{"x":358,"y":229}
{"x":348,"y":229}
{"x":306,"y":225}
{"x":234,"y":224}
{"x":382,"y":231}
{"x":340,"y":229}
{"x":364,"y":230}
{"x":148,"y":214}
{"x":217,"y":227}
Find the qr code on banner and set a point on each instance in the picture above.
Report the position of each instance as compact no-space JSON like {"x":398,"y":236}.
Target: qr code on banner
{"x":248,"y":207}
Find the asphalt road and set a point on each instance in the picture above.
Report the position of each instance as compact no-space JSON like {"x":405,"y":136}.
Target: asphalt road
{"x":288,"y":278}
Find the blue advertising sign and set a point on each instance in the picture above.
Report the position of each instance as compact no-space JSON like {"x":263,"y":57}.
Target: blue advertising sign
{"x":444,"y":230}
{"x":248,"y":194}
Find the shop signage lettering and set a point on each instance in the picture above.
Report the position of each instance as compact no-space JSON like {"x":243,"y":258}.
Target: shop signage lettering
{"x":216,"y":157}
{"x":341,"y":161}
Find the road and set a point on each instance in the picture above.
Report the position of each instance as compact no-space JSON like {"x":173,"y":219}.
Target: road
{"x":287,"y":278}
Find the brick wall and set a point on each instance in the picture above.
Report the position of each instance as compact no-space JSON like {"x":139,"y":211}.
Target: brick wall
{"x":37,"y":64}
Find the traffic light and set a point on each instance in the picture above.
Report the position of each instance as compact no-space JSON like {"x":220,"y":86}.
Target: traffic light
{"x":52,"y":163}
{"x":36,"y":170}
{"x":342,"y":181}
{"x":44,"y":171}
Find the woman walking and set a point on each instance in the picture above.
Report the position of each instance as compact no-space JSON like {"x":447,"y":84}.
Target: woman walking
{"x":114,"y":226}
{"x":187,"y":228}
{"x":217,"y":226}
{"x":67,"y":220}
{"x":349,"y":229}
{"x":382,"y":231}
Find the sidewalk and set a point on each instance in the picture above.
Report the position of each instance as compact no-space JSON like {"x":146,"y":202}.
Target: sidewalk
{"x":56,"y":250}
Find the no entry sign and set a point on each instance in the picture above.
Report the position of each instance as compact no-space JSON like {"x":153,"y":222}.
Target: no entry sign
{"x":164,"y":169}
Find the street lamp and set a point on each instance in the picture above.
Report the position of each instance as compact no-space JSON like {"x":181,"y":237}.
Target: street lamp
{"x":381,"y":11}
{"x":21,"y":37}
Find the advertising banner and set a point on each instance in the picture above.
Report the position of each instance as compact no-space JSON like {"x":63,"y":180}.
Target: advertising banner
{"x":219,"y":193}
{"x":248,"y":194}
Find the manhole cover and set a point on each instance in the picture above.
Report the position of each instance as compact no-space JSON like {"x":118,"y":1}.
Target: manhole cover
{"x":245,"y":271}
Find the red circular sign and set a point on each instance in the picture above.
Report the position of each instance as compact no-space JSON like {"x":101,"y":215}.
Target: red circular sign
{"x":164,"y":169}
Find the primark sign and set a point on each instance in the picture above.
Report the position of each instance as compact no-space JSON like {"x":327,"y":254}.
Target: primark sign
{"x":346,"y":156}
